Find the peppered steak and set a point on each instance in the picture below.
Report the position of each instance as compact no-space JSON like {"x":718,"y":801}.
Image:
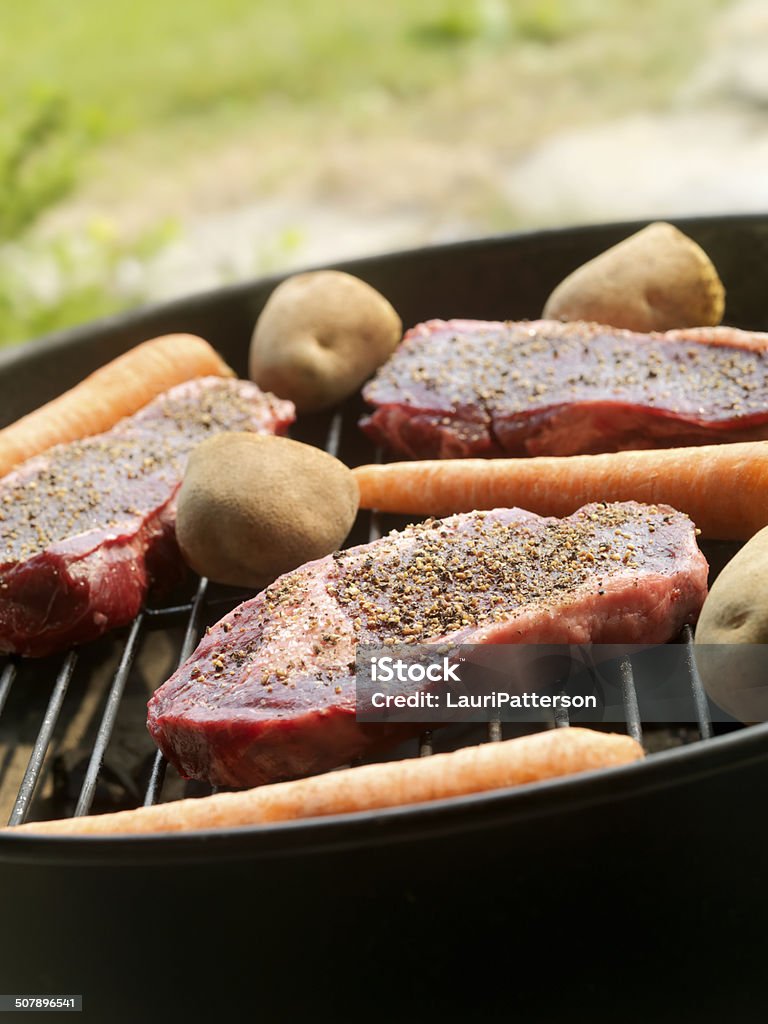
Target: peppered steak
{"x":466,"y":388}
{"x":88,"y":526}
{"x":270,"y":691}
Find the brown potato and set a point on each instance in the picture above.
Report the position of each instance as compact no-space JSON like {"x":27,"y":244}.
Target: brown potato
{"x":319,"y":336}
{"x":655,"y":280}
{"x":732,"y":634}
{"x":252,"y":507}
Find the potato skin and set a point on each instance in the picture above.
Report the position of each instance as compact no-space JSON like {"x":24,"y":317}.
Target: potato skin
{"x":656,"y":280}
{"x":319,"y":336}
{"x":733,"y":621}
{"x":252,"y":507}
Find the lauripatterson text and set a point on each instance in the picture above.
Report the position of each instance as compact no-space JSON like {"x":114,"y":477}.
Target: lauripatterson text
{"x":498,"y":699}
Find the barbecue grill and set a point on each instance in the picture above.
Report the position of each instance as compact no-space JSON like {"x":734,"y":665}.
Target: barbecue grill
{"x":559,"y":898}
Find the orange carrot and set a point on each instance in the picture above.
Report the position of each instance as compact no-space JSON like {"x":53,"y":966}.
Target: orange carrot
{"x":471,"y":770}
{"x":118,"y":389}
{"x":722,"y":487}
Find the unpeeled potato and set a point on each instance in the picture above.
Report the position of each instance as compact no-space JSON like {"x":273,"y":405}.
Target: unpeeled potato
{"x":731,"y":645}
{"x":320,"y":335}
{"x":252,"y":507}
{"x":656,"y":280}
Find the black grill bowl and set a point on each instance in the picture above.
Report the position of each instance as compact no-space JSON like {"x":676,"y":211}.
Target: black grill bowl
{"x":635,"y":894}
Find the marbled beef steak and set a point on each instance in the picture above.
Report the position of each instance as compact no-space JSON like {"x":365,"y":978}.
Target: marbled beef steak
{"x":270,"y":692}
{"x":462,"y":388}
{"x":87,"y":527}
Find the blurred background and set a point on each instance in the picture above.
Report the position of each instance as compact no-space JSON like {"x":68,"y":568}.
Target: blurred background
{"x":152,"y":149}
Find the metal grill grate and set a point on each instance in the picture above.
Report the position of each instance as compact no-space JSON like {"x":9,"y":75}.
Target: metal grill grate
{"x":204,"y":603}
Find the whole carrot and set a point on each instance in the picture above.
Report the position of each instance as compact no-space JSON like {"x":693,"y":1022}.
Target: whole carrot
{"x":471,"y":770}
{"x":118,"y":389}
{"x":722,"y":487}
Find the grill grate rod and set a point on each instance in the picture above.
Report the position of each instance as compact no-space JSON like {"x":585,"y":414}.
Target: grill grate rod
{"x":6,"y":681}
{"x":176,"y":609}
{"x":629,"y":699}
{"x":108,"y":718}
{"x":561,"y":718}
{"x":185,"y":609}
{"x":333,"y":438}
{"x":703,"y":716}
{"x":159,"y":765}
{"x":156,"y":779}
{"x":32,"y":774}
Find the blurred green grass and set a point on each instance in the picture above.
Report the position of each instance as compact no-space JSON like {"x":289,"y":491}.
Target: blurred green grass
{"x":143,"y":64}
{"x":186,"y":74}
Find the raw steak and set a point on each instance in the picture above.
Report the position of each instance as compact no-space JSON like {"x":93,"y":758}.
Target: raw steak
{"x":270,"y":691}
{"x":87,"y":527}
{"x":466,"y":388}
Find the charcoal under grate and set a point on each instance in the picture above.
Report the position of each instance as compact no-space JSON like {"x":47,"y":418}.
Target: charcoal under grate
{"x":61,"y":718}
